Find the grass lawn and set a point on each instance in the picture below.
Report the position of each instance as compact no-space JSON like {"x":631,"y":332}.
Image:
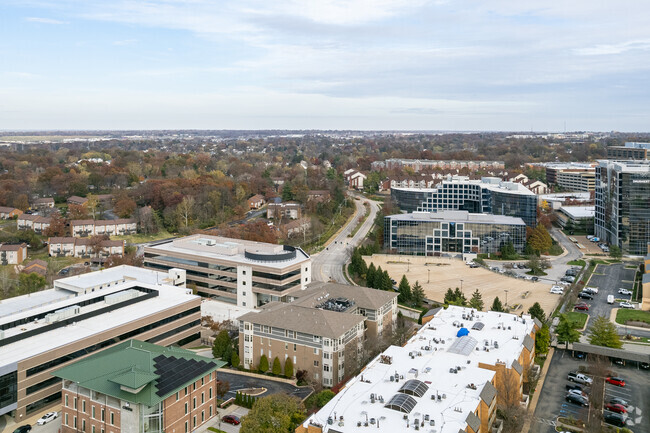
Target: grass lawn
{"x":215,"y":430}
{"x":623,"y":315}
{"x":140,"y":238}
{"x":577,"y":319}
{"x":577,"y":263}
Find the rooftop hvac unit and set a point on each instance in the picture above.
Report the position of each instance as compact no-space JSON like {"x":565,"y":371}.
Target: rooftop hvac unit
{"x":62,"y":314}
{"x":125,"y":295}
{"x":210,"y":242}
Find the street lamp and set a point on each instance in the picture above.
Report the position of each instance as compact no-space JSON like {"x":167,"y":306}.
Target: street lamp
{"x":429,"y":276}
{"x":506,"y":298}
{"x":408,"y":266}
{"x":461,"y":285}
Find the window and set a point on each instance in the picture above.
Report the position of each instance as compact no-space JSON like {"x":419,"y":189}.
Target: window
{"x":326,"y":367}
{"x":210,"y":412}
{"x":194,"y":386}
{"x":202,"y":381}
{"x":286,"y":346}
{"x":83,"y":425}
{"x":315,"y":351}
{"x":185,"y":408}
{"x":315,"y":363}
{"x":294,"y":347}
{"x":66,"y":402}
{"x":243,"y":303}
{"x":92,"y":409}
{"x":83,"y":406}
{"x":202,"y":416}
{"x":210,"y":393}
{"x":103,"y":416}
{"x":112,"y":418}
{"x":243,"y":272}
{"x":186,"y":427}
{"x":202,"y":398}
{"x":194,"y":403}
{"x":194,"y":421}
{"x":92,"y":429}
{"x":74,"y":422}
{"x":185,"y":391}
{"x":66,"y":419}
{"x":74,"y":403}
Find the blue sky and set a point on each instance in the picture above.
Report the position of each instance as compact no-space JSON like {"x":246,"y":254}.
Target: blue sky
{"x":329,"y":64}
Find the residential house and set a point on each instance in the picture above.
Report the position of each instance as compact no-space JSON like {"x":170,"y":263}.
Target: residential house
{"x":12,"y":254}
{"x":9,"y":212}
{"x":36,"y":266}
{"x":43,"y":203}
{"x":76,"y":200}
{"x":354,"y":178}
{"x":296,"y":227}
{"x":289,"y":209}
{"x":256,"y":201}
{"x":33,"y":222}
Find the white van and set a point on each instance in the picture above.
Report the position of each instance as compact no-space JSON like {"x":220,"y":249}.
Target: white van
{"x":610,"y":299}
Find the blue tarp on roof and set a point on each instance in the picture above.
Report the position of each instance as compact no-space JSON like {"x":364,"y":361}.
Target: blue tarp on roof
{"x":462,"y":332}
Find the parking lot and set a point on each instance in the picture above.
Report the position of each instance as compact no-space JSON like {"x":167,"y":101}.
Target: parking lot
{"x":239,"y":381}
{"x":552,"y":403}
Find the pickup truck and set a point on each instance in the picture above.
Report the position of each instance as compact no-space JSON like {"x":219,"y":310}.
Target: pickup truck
{"x":574,"y":376}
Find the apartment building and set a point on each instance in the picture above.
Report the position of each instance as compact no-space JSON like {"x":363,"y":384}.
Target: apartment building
{"x":44,"y":203}
{"x":354,"y":179}
{"x":82,"y":228}
{"x":9,"y":212}
{"x":13,"y":254}
{"x":246,"y":273}
{"x":289,"y":209}
{"x":622,"y":205}
{"x":47,"y":330}
{"x":452,"y":233}
{"x":136,"y":386}
{"x":449,"y":377}
{"x":488,"y":195}
{"x":322,"y":331}
{"x":427,"y":164}
{"x":631,"y":150}
{"x":84,"y":247}
{"x":33,"y":222}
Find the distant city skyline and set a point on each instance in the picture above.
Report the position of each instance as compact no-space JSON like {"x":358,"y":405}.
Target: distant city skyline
{"x":329,"y":64}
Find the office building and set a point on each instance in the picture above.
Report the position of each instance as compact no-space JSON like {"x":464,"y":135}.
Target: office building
{"x":571,"y":175}
{"x":246,"y":273}
{"x":452,"y":233}
{"x":47,"y":330}
{"x":488,"y":195}
{"x":631,"y":150}
{"x":578,"y":218}
{"x":136,"y":386}
{"x":623,"y":205}
{"x":448,"y":378}
{"x":428,"y":164}
{"x":322,"y":331}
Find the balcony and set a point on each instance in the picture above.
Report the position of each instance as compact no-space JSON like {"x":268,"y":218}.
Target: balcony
{"x":497,"y":426}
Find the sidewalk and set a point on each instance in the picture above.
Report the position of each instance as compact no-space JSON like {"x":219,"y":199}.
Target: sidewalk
{"x":538,"y":390}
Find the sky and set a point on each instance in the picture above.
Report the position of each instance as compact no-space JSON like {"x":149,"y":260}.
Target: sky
{"x":495,"y":65}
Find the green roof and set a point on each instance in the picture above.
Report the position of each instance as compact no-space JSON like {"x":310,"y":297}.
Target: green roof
{"x":139,"y":372}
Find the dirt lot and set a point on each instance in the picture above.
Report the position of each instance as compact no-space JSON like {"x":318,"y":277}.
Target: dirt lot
{"x":437,"y":274}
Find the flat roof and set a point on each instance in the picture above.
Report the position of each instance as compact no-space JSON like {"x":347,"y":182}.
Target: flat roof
{"x":363,"y":297}
{"x":491,"y":183}
{"x":458,"y":216}
{"x":575,"y":195}
{"x":168,"y":297}
{"x":426,"y":359}
{"x":579,"y":211}
{"x":232,"y":250}
{"x":624,"y":166}
{"x":110,"y":275}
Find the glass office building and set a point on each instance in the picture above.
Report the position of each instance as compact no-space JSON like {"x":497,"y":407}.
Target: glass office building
{"x":452,"y":232}
{"x":488,"y":195}
{"x":623,"y":205}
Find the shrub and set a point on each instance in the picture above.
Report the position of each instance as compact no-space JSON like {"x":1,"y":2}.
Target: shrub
{"x":288,"y":368}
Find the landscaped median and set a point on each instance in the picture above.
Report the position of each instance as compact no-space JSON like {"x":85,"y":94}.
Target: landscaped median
{"x":578,"y":320}
{"x":631,"y":317}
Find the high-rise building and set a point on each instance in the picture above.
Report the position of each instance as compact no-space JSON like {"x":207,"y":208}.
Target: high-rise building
{"x":631,"y":150}
{"x":489,"y":195}
{"x":623,"y":205}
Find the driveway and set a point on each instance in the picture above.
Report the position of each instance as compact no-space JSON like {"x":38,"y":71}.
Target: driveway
{"x":239,"y":381}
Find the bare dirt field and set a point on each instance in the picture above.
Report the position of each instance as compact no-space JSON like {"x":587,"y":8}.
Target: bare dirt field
{"x":437,"y":274}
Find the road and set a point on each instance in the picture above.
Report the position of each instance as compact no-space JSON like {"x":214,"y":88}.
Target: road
{"x":328,"y":264}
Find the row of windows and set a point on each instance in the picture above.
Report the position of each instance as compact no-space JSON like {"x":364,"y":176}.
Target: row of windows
{"x":92,"y":413}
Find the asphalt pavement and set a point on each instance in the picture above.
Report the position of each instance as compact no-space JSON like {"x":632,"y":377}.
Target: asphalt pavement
{"x":240,"y":381}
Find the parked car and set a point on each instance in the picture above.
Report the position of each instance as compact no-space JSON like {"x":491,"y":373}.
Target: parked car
{"x":574,"y":386}
{"x":47,"y":418}
{"x":578,"y":392}
{"x":585,"y":295}
{"x":592,"y":290}
{"x":579,"y":355}
{"x":582,"y":307}
{"x":571,"y":273}
{"x":576,"y":399}
{"x":618,"y":361}
{"x":231,"y":419}
{"x":615,"y":381}
{"x":23,"y":429}
{"x":622,"y":291}
{"x":610,"y":299}
{"x":535,"y":278}
{"x":574,"y":376}
{"x":615,"y":419}
{"x":618,"y":400}
{"x":625,"y":304}
{"x":557,"y":290}
{"x":645,"y":366}
{"x":613,"y":407}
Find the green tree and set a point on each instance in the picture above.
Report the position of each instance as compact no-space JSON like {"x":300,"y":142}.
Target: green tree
{"x":536,"y":311}
{"x":234,"y":359}
{"x":417,"y":294}
{"x":386,"y":283}
{"x":603,"y":333}
{"x":379,"y":278}
{"x":370,"y":275}
{"x":615,"y":252}
{"x":508,"y":251}
{"x":566,"y":332}
{"x":278,"y":413}
{"x":542,"y":339}
{"x":277,"y":367}
{"x":264,"y":364}
{"x":476,"y":301}
{"x":30,"y":283}
{"x":449,"y":296}
{"x":221,"y":344}
{"x":460,"y":297}
{"x":497,"y":305}
{"x":287,"y":192}
{"x":404,"y":290}
{"x":288,"y":367}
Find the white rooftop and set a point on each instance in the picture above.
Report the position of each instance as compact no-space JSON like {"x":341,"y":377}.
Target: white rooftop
{"x":575,"y":195}
{"x":491,"y":183}
{"x":430,"y":357}
{"x":111,"y":275}
{"x":579,"y":211}
{"x":459,"y":216}
{"x":168,"y":297}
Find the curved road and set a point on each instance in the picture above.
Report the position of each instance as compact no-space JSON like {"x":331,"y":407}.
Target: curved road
{"x":328,"y":264}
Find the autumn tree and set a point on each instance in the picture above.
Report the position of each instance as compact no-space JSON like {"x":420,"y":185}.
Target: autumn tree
{"x":277,"y":413}
{"x":57,"y":226}
{"x":509,"y":401}
{"x":222,"y":388}
{"x":539,"y":239}
{"x":95,"y":244}
{"x":146,"y":220}
{"x":185,"y":210}
{"x":92,"y":203}
{"x":124,"y":207}
{"x":77,"y":212}
{"x":21,"y":202}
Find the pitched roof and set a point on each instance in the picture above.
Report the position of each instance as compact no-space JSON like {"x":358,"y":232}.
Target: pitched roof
{"x":44,"y":200}
{"x":432,"y":312}
{"x":473,"y":421}
{"x":5,"y":209}
{"x":12,"y":247}
{"x":307,"y":320}
{"x":153,"y":372}
{"x":488,"y":393}
{"x":538,"y":322}
{"x":36,"y":262}
{"x":529,"y":343}
{"x":517,"y":366}
{"x":82,"y":222}
{"x":363,"y":297}
{"x":61,"y":240}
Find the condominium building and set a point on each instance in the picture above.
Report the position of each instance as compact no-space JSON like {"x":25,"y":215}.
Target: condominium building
{"x":631,"y":150}
{"x":9,"y":212}
{"x":122,"y":226}
{"x":452,"y":233}
{"x":427,"y":164}
{"x":13,"y":254}
{"x":136,"y":386}
{"x":448,"y":378}
{"x":47,"y":330}
{"x":84,"y":247}
{"x":33,"y":222}
{"x":246,"y":273}
{"x":488,"y":195}
{"x":623,"y":205}
{"x":44,"y":203}
{"x":322,"y":331}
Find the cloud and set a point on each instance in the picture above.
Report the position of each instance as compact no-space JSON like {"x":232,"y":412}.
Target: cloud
{"x":612,"y":49}
{"x":45,"y":20}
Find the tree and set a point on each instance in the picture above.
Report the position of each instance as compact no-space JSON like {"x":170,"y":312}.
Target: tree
{"x":615,"y":251}
{"x":277,"y":367}
{"x":92,"y":204}
{"x":542,"y":339}
{"x":21,"y":202}
{"x":509,"y":401}
{"x":77,"y":212}
{"x":404,"y":290}
{"x":264,"y":364}
{"x":222,"y":388}
{"x":449,"y":296}
{"x":536,"y":311}
{"x":379,"y":278}
{"x":30,"y":283}
{"x":460,"y":297}
{"x":124,"y":207}
{"x":603,"y":333}
{"x":566,"y":332}
{"x":234,"y":359}
{"x":508,"y":251}
{"x":146,"y":220}
{"x":288,"y":367}
{"x":476,"y":301}
{"x":417,"y":295}
{"x":185,"y":210}
{"x":497,"y":305}
{"x":302,"y":377}
{"x":277,"y":413}
{"x":221,"y":344}
{"x":370,"y":275}
{"x":539,"y":239}
{"x":57,"y":226}
{"x":95,"y":244}
{"x":386,"y":282}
